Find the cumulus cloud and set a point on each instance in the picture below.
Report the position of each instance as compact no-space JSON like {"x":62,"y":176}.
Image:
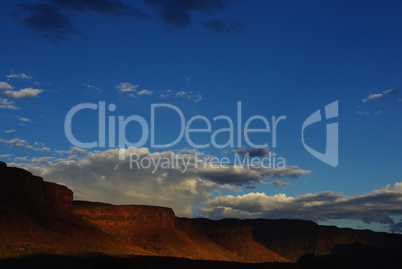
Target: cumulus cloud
{"x":100,"y":176}
{"x":377,"y":206}
{"x":23,"y":93}
{"x":6,"y":104}
{"x":19,"y":76}
{"x":377,"y":96}
{"x":4,"y":86}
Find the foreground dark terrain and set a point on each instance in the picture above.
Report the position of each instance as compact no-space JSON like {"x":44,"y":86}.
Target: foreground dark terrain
{"x":42,"y":227}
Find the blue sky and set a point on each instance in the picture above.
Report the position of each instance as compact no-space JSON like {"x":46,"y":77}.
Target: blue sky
{"x":278,"y":58}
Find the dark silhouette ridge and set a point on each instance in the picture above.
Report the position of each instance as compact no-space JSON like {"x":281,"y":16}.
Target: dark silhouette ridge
{"x":41,"y":218}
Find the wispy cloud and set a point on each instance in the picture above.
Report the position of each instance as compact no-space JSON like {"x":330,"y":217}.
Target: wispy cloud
{"x":377,"y":96}
{"x":145,"y":92}
{"x":6,"y":104}
{"x":19,"y":76}
{"x":166,"y":93}
{"x":22,"y":143}
{"x":92,"y":88}
{"x":9,"y":131}
{"x":190,"y":95}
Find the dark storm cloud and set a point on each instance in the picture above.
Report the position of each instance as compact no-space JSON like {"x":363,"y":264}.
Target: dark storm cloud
{"x":48,"y":22}
{"x":113,"y":8}
{"x":255,"y":152}
{"x":219,"y":26}
{"x":52,"y":19}
{"x":56,"y":19}
{"x":178,"y":12}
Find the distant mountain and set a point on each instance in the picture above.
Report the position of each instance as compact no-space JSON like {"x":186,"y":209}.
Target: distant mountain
{"x":41,"y":218}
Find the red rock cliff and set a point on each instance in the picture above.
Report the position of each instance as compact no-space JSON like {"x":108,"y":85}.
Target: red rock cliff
{"x":21,"y":186}
{"x":124,"y":219}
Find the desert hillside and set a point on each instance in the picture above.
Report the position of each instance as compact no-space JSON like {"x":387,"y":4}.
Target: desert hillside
{"x":41,"y":218}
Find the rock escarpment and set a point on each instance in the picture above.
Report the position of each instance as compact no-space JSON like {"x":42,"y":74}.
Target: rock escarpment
{"x":39,"y":217}
{"x":21,"y":186}
{"x":124,"y":219}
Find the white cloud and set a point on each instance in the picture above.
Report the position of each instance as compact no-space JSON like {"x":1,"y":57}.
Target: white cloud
{"x":166,"y":94}
{"x":9,"y":131}
{"x":23,"y":119}
{"x":377,"y":96}
{"x":23,"y":93}
{"x":6,"y":104}
{"x":5,"y":156}
{"x":100,"y":176}
{"x":19,"y":76}
{"x":145,"y":92}
{"x":21,"y":159}
{"x":190,"y":95}
{"x":4,"y":86}
{"x":92,"y":88}
{"x":196,"y":96}
{"x":22,"y":143}
{"x":126,"y":87}
{"x":376,"y":206}
{"x":181,"y":94}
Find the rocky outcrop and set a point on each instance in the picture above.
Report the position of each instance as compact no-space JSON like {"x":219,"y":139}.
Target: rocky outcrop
{"x":234,"y":236}
{"x":124,"y":219}
{"x":21,"y":186}
{"x":41,"y":217}
{"x":293,"y":239}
